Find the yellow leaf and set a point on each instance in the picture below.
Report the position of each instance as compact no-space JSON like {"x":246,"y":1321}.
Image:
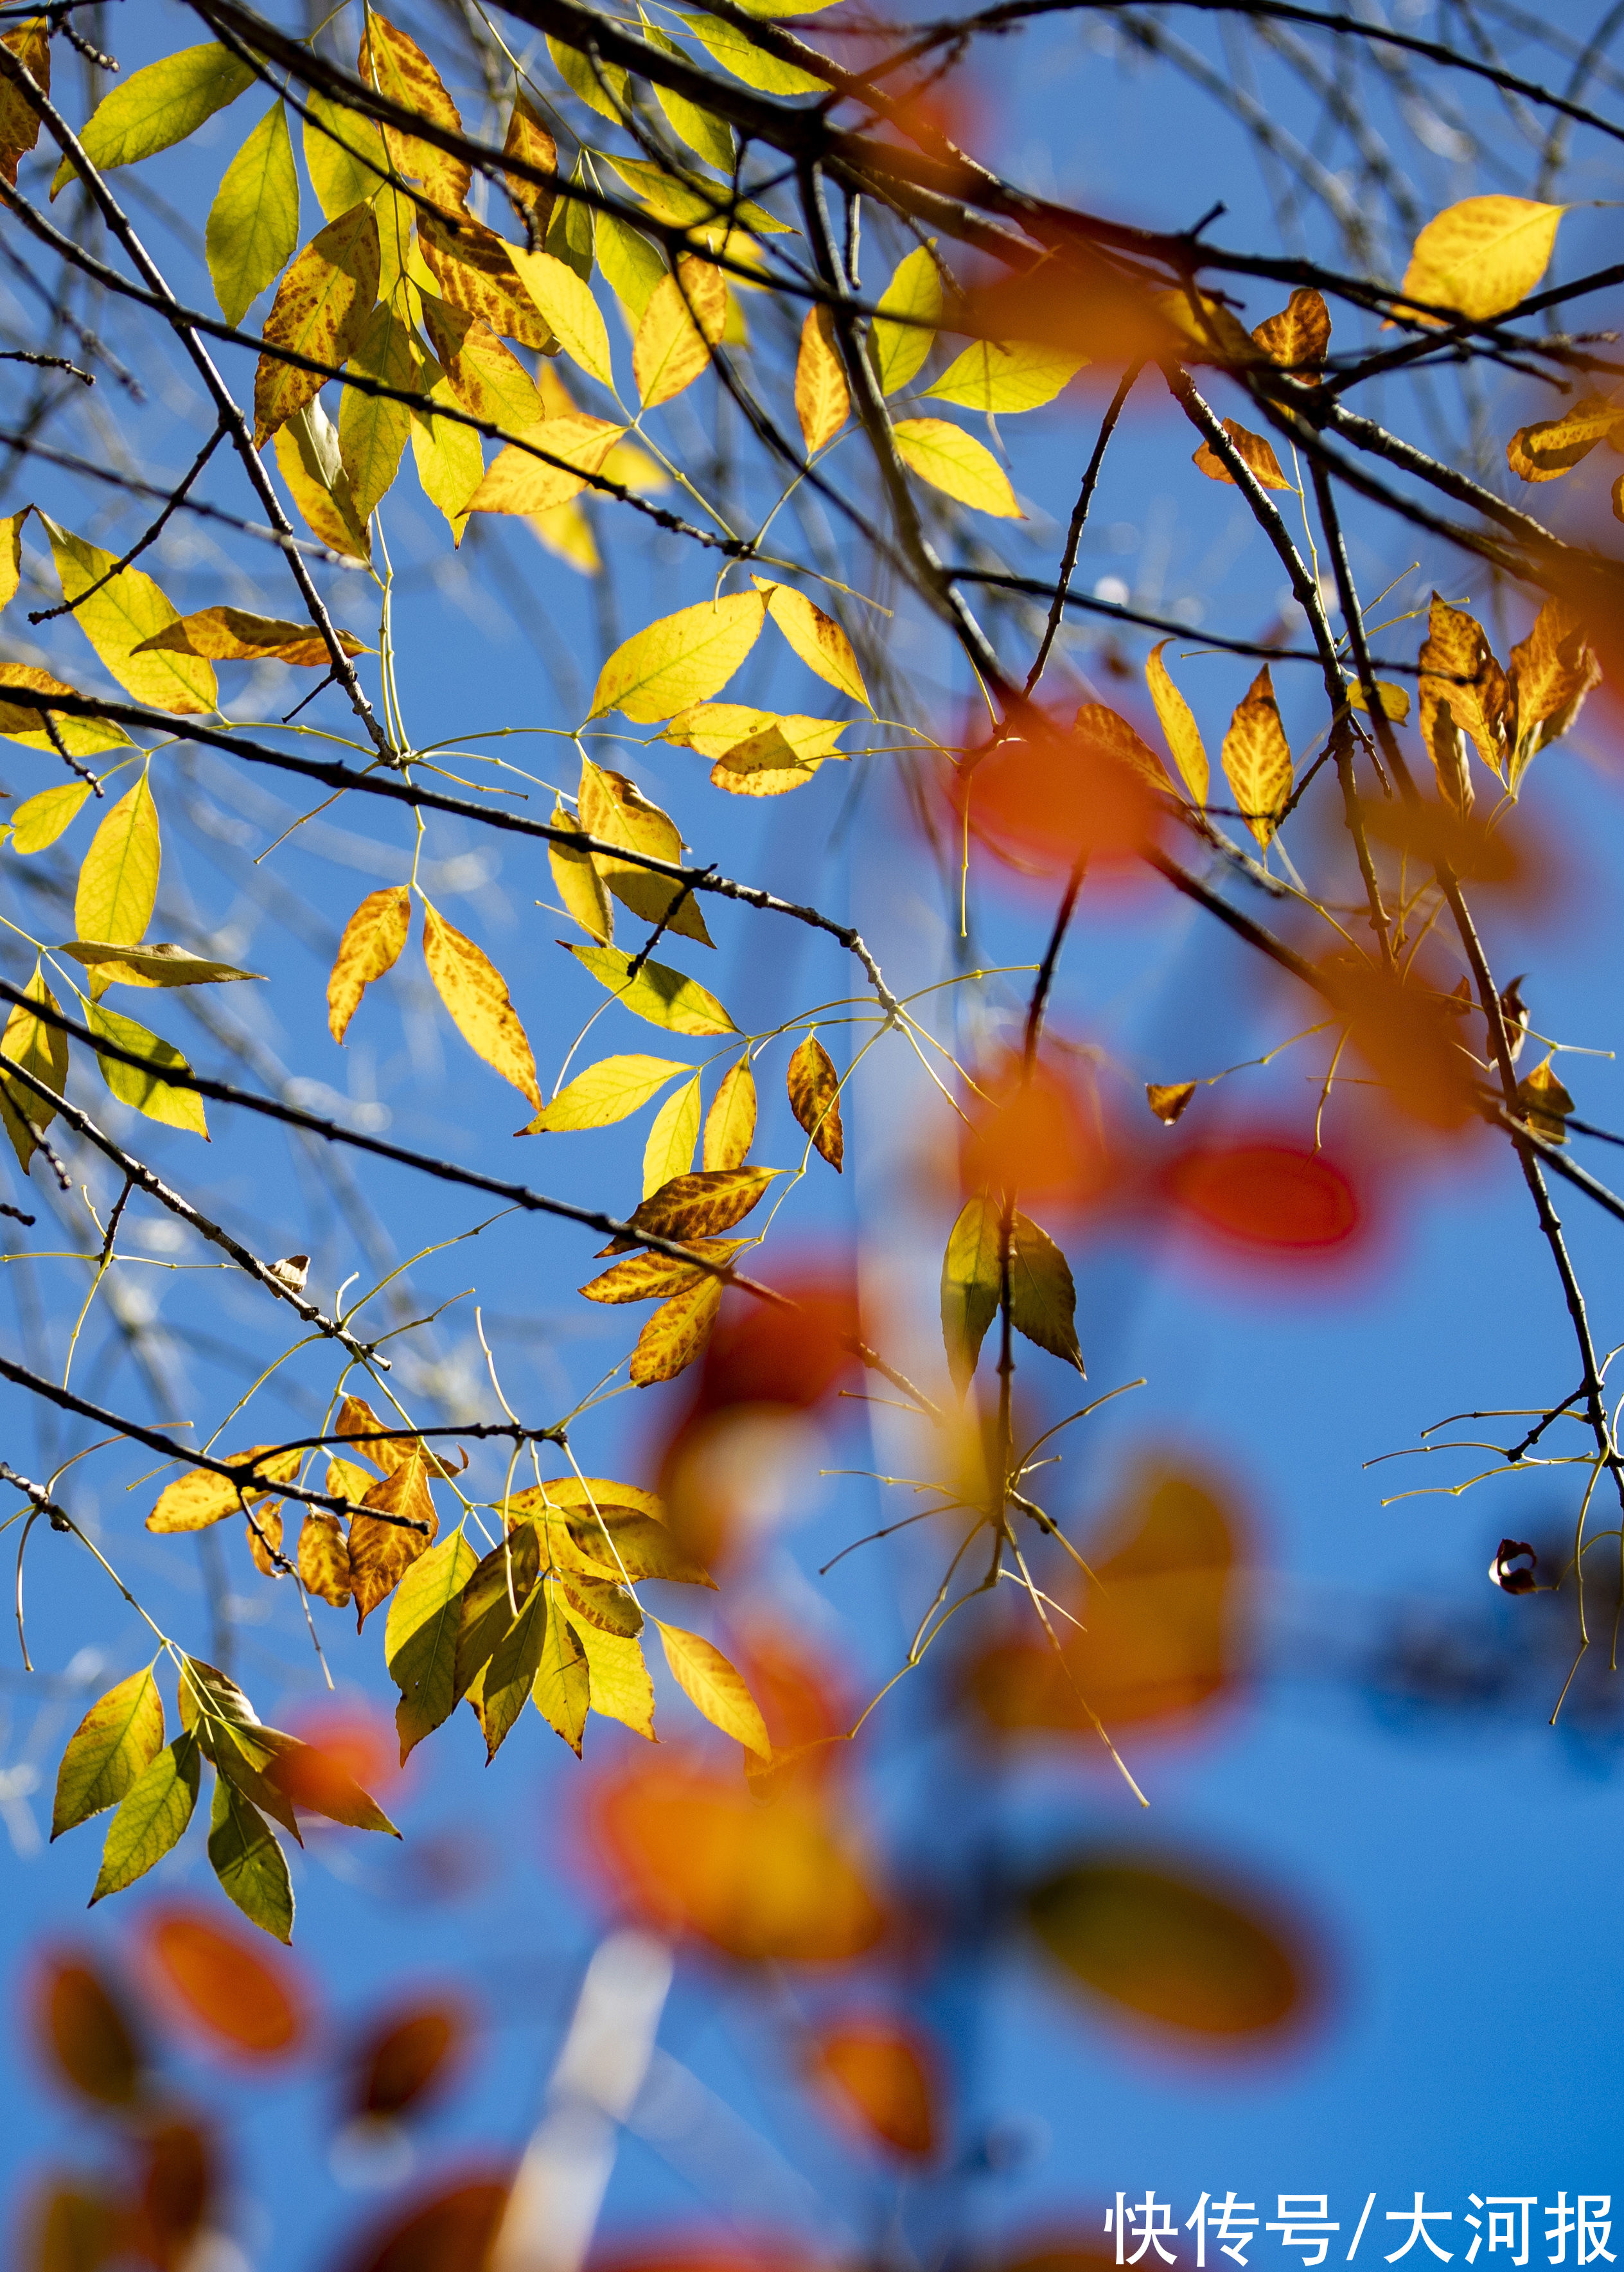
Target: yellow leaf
{"x":475,"y":993}
{"x":321,"y":309}
{"x":815,"y":1098}
{"x":956,"y":463}
{"x":198,"y":1498}
{"x":372,"y":430}
{"x":323,"y":1558}
{"x":679,"y":661}
{"x":420,"y":1639}
{"x":991,"y":375}
{"x":706,"y":209}
{"x":600,"y":86}
{"x":1257,"y":758}
{"x":1395,"y":700}
{"x":41,"y":819}
{"x":656,"y":1277}
{"x":371,"y":945}
{"x":1110,"y":735}
{"x":158,"y":964}
{"x":570,"y":309}
{"x":700,"y":1205}
{"x":1177,"y":722}
{"x":154,"y":109}
{"x":730,"y":1123}
{"x":702,"y":130}
{"x":40,"y":1048}
{"x":12,"y":553}
{"x":253,"y":224}
{"x":611,"y":1090}
{"x":571,"y":230}
{"x":529,"y":140}
{"x":1551,"y":672}
{"x":487,"y":377}
{"x":665,"y":997}
{"x":676,"y":1334}
{"x":1298,"y":337}
{"x":615,"y":810}
{"x":817,"y":639}
{"x":19,"y":121}
{"x":972,"y":1279}
{"x":381,"y":1553}
{"x":1043,"y":1300}
{"x":474,"y":268}
{"x":1553,"y":446}
{"x":1207,"y":330}
{"x":24,"y":721}
{"x":117,"y":618}
{"x":118,"y":878}
{"x":632,"y":268}
{"x":736,"y":52}
{"x":264,"y":1534}
{"x":1463,"y":692}
{"x":673,"y":1138}
{"x":685,"y":317}
{"x":621,"y":1687}
{"x":1545,"y":1103}
{"x":343,"y":155}
{"x":719,"y":1690}
{"x":520,"y":481}
{"x":309,"y":459}
{"x":1254,"y":451}
{"x":1168,"y":1100}
{"x":822,"y":400}
{"x":1480,"y":257}
{"x":398,"y":67}
{"x":562,"y":1690}
{"x":144,"y":1087}
{"x":234,"y":635}
{"x":449,"y":463}
{"x":566,"y":531}
{"x":119,"y":1736}
{"x":900,"y":347}
{"x":578,"y":884}
{"x":721,"y":729}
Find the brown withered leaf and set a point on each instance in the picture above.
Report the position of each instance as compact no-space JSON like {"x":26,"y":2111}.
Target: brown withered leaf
{"x":1254,"y":451}
{"x":381,"y":1553}
{"x":1463,"y":692}
{"x":1545,"y":1103}
{"x":1551,"y":447}
{"x":528,"y":139}
{"x":263,"y":1532}
{"x":324,"y":1557}
{"x":356,"y":1422}
{"x":698,"y":1205}
{"x":1257,"y":758}
{"x":1511,"y":1581}
{"x":676,"y":1334}
{"x":1168,"y":1099}
{"x":1298,"y":337}
{"x":1551,"y":672}
{"x":815,"y":1098}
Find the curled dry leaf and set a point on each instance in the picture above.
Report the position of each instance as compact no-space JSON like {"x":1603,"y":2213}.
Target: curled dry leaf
{"x":1546,"y":1105}
{"x":1168,"y":1100}
{"x":1298,"y":337}
{"x":1504,"y":1572}
{"x":262,"y":1530}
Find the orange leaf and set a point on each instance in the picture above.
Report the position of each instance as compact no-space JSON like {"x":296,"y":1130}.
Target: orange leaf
{"x":219,"y":1980}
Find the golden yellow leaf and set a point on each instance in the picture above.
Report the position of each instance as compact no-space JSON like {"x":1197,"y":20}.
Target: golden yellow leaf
{"x":475,"y":993}
{"x":615,"y":810}
{"x":621,"y":1687}
{"x":680,"y":660}
{"x":911,"y":301}
{"x":1002,"y":378}
{"x":398,"y":67}
{"x":371,"y":945}
{"x":40,"y":1048}
{"x":1298,"y":337}
{"x":20,"y":121}
{"x":309,"y":459}
{"x":702,"y":130}
{"x":822,"y":400}
{"x":577,"y":882}
{"x":487,"y":377}
{"x":718,"y":730}
{"x":1395,"y":700}
{"x":815,"y":1098}
{"x":817,"y":639}
{"x":686,"y":316}
{"x":1257,"y":758}
{"x":197,"y":1499}
{"x":972,"y":1281}
{"x":529,"y":140}
{"x":1207,"y":331}
{"x":1480,"y":257}
{"x":144,"y":1087}
{"x":381,"y":1553}
{"x":520,"y":481}
{"x":730,"y":1123}
{"x":676,"y":1334}
{"x":655,"y":1277}
{"x":956,"y":464}
{"x":1109,"y":734}
{"x":321,"y":309}
{"x":263,"y":1532}
{"x":1545,"y":1103}
{"x":473,"y":269}
{"x":159,"y":963}
{"x":665,"y":997}
{"x":570,"y":309}
{"x":40,"y":820}
{"x":1551,"y":672}
{"x":23,"y":720}
{"x":1463,"y":694}
{"x":673,"y":1138}
{"x":1553,"y":446}
{"x":715,"y":1687}
{"x":600,"y":86}
{"x":449,"y":463}
{"x":12,"y":545}
{"x":562,"y":1690}
{"x":118,"y":878}
{"x":611,"y":1090}
{"x":235,"y":635}
{"x":116,"y":618}
{"x":1177,"y":722}
{"x":1169,"y":1100}
{"x":701,"y":1205}
{"x":1254,"y":451}
{"x":566,"y":531}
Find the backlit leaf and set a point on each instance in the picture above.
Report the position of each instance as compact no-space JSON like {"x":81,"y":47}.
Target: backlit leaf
{"x":1463,"y":699}
{"x":1178,"y":724}
{"x":736,"y":52}
{"x":199,"y":1498}
{"x":699,"y":1205}
{"x":398,"y":67}
{"x":155,"y":108}
{"x":1553,"y":446}
{"x":372,"y":431}
{"x":1254,"y":451}
{"x":251,"y":1867}
{"x":40,"y":820}
{"x":685,"y":317}
{"x":1169,"y":1100}
{"x":157,"y":963}
{"x":23,"y":720}
{"x":309,"y":459}
{"x":1109,"y":734}
{"x":491,"y":1598}
{"x":528,"y":139}
{"x":817,"y":639}
{"x":673,"y":1138}
{"x":420,"y":1639}
{"x":822,"y":400}
{"x":40,"y":1048}
{"x":900,"y":347}
{"x":621,"y":1687}
{"x":1021,"y":376}
{"x":570,"y":310}
{"x":118,"y":878}
{"x":615,"y":810}
{"x":144,"y":1087}
{"x":815,"y":1098}
{"x":1481,"y":257}
{"x":600,"y":86}
{"x":715,"y":1687}
{"x":611,"y":1090}
{"x":730,"y":731}
{"x":19,"y":121}
{"x":371,"y":945}
{"x":474,"y":268}
{"x":1395,"y":700}
{"x":486,"y":377}
{"x":1043,"y":1300}
{"x":654,"y":1277}
{"x":111,"y":1748}
{"x":152,"y":1816}
{"x":1298,"y":337}
{"x":575,"y":874}
{"x":116,"y":619}
{"x":264,"y":1534}
{"x":324,"y":1560}
{"x":569,"y":231}
{"x":253,"y":225}
{"x":665,"y":997}
{"x":702,"y":130}
{"x":475,"y":993}
{"x":730,"y":1123}
{"x":1257,"y":758}
{"x":631,"y":266}
{"x":1551,"y":672}
{"x":235,"y":635}
{"x":1545,"y":1103}
{"x":561,"y":1689}
{"x":971,"y":1282}
{"x":514,"y":1666}
{"x":343,"y":154}
{"x":603,"y":1602}
{"x":956,"y":463}
{"x":676,"y":1334}
{"x":680,"y":660}
{"x":322,"y":309}
{"x":626,"y":1545}
{"x":381,"y":1553}
{"x":520,"y":481}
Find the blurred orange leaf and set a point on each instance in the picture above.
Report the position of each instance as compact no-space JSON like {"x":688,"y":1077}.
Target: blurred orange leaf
{"x":407,"y":2057}
{"x":221,"y":1981}
{"x":881,"y":2076}
{"x":83,"y":2029}
{"x":450,"y":2230}
{"x":1268,"y":1197}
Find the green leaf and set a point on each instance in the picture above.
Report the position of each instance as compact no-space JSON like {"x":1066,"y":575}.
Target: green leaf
{"x":243,"y":1758}
{"x":420,"y":1640}
{"x":631,"y":266}
{"x":373,"y":430}
{"x":109,"y":1751}
{"x":154,"y":109}
{"x":600,"y":86}
{"x":144,"y":1087}
{"x":570,"y":230}
{"x":512,"y":1670}
{"x":971,"y":1282}
{"x":343,"y":155}
{"x":736,"y":52}
{"x":898,"y":348}
{"x":253,"y":225}
{"x":1043,"y":1300}
{"x":152,"y":1817}
{"x":665,"y":997}
{"x":702,"y":130}
{"x":562,"y":1690}
{"x":991,"y":377}
{"x":249,"y":1863}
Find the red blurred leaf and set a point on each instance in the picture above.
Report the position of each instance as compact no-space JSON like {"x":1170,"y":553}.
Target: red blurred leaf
{"x":1409,"y":1037}
{"x":177,"y":2185}
{"x":879,"y":2076}
{"x":83,"y":2028}
{"x":1047,"y":795}
{"x":220,"y":1981}
{"x":451,"y":2230}
{"x":407,"y":2057}
{"x":760,"y":1353}
{"x":1266,"y":1197}
{"x":691,"y":1851}
{"x":358,"y":1739}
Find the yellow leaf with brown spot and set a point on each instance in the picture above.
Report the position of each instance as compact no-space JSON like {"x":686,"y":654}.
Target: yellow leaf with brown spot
{"x":1298,"y":337}
{"x":571,"y":450}
{"x":200,"y":1498}
{"x":1257,"y":758}
{"x":321,"y":310}
{"x":815,"y":1098}
{"x":487,"y":377}
{"x":817,"y":638}
{"x":236,"y":635}
{"x":686,"y":316}
{"x":398,"y":67}
{"x":381,"y":1553}
{"x":676,"y":1334}
{"x":730,"y":1123}
{"x":476,"y":995}
{"x":577,"y":882}
{"x":371,"y":945}
{"x":474,"y":270}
